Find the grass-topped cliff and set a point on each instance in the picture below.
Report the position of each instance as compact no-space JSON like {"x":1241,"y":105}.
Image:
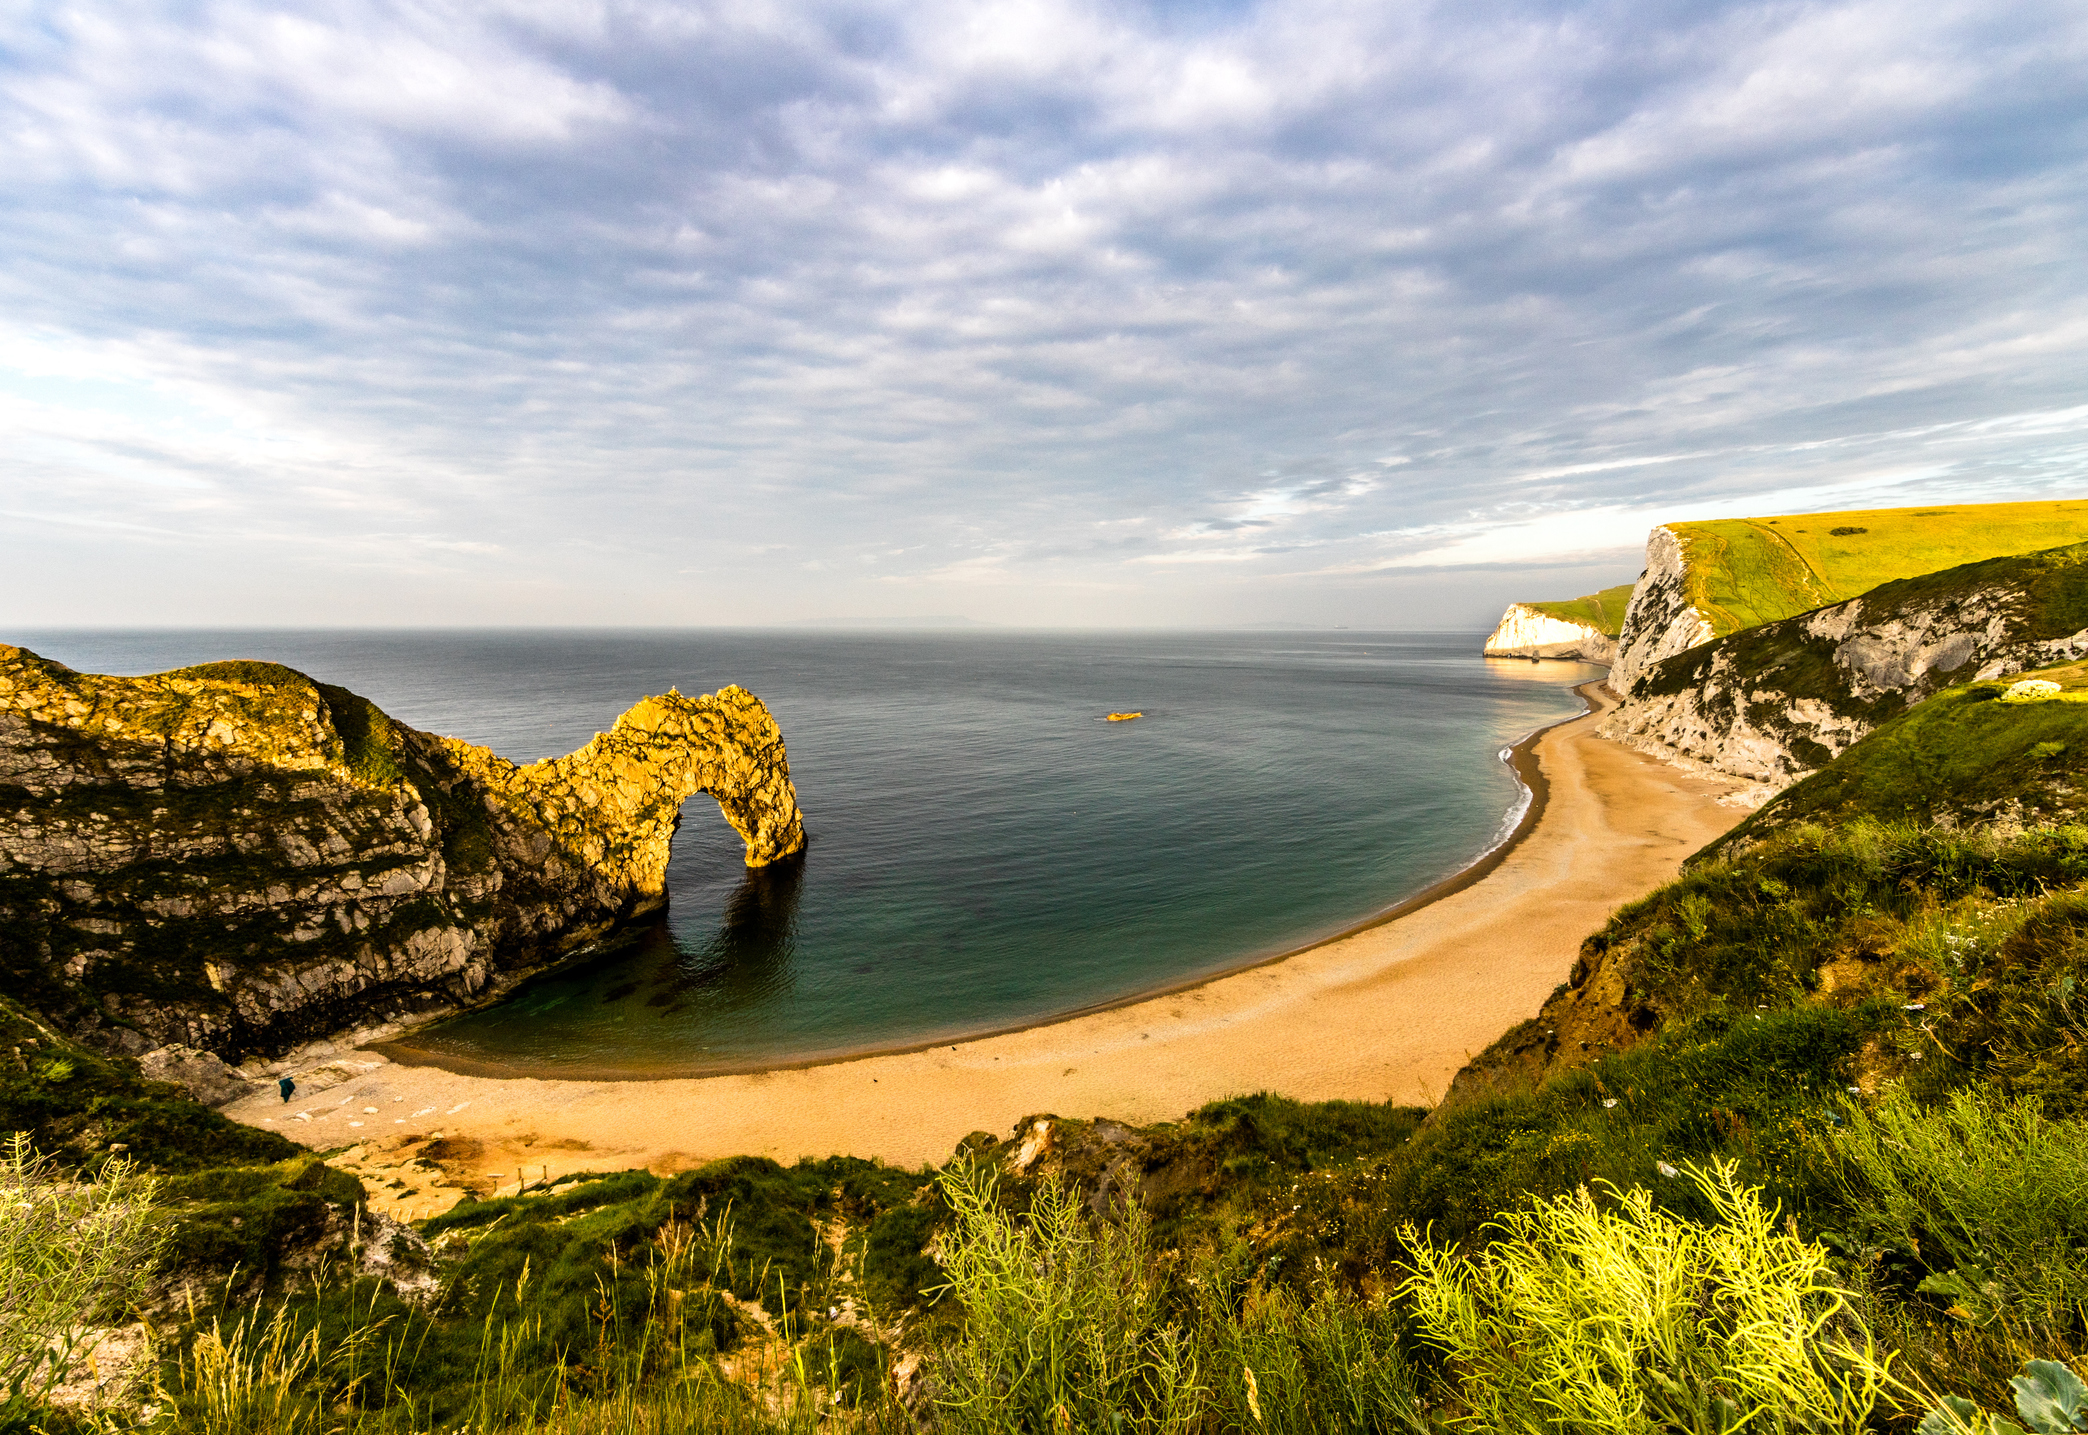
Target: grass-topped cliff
{"x":1776,"y":701}
{"x":1747,"y":571}
{"x":1585,"y":628}
{"x":1710,"y":580}
{"x":1604,"y":611}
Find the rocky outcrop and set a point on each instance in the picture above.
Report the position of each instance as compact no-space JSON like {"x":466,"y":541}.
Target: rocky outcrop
{"x":1663,"y":619}
{"x":202,"y":1074}
{"x":1772,"y":703}
{"x":1527,"y":632}
{"x":235,"y":858}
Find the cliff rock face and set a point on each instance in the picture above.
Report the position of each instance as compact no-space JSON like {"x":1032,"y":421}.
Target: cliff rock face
{"x":235,"y":858}
{"x":1661,"y":621}
{"x":1773,"y":703}
{"x":1524,"y":632}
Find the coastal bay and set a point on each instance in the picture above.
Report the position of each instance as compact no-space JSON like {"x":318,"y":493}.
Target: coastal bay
{"x":987,"y":852}
{"x":1388,"y":1012}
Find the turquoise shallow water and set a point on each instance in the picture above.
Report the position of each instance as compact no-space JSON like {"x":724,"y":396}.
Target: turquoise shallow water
{"x":985,"y":850}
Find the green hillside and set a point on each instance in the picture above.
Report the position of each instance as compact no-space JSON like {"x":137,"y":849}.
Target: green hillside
{"x":1961,"y":756}
{"x":1744,"y":571}
{"x":1604,"y":611}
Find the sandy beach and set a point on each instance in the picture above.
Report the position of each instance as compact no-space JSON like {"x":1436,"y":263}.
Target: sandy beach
{"x":1388,"y":1012}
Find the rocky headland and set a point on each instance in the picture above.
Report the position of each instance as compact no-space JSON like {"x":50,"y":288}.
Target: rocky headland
{"x":1760,"y":649}
{"x":1526,"y":632}
{"x":234,"y":858}
{"x":1581,"y":629}
{"x":1772,"y":703}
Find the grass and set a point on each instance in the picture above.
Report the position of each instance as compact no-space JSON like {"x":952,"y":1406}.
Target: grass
{"x":1604,"y":611}
{"x":1865,"y":910}
{"x":1961,"y":756}
{"x":1064,"y":1329}
{"x":642,"y":1370}
{"x":1987,"y":1195}
{"x":1754,"y":1093}
{"x":1332,"y":1364}
{"x":78,"y":1106}
{"x":70,"y":1253}
{"x":627,"y":1302}
{"x":1748,"y":571}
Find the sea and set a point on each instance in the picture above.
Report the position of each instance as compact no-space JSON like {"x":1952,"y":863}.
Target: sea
{"x":986,"y":850}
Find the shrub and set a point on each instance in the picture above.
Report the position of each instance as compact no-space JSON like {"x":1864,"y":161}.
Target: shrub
{"x":1989,"y":1194}
{"x":1585,"y":1319}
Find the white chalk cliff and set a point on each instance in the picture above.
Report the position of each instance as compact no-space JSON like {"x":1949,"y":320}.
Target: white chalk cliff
{"x":1526,"y":632}
{"x":1772,"y":703}
{"x":1661,"y":620}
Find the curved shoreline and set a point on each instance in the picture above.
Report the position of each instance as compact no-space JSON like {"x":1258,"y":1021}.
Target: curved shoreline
{"x":1521,"y":759}
{"x":1390,"y":1012}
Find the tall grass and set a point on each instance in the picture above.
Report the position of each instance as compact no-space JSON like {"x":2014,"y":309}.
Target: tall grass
{"x":1986,"y":1192}
{"x":1068,"y":1327}
{"x":71,"y":1252}
{"x":247,"y":1379}
{"x":251,"y":1376}
{"x":1064,"y":1328}
{"x":1624,"y":1320}
{"x":1331,"y":1365}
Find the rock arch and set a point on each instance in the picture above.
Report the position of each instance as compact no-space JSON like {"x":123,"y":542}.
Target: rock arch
{"x":615,"y":803}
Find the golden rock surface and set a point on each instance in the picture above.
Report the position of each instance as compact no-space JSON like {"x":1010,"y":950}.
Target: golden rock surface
{"x":235,"y":858}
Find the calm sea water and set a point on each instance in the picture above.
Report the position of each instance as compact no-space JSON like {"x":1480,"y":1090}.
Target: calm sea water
{"x":985,"y":850}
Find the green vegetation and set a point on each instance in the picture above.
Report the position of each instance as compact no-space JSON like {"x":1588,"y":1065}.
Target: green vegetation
{"x":1994,"y":1190}
{"x":79,"y":1107}
{"x":1619,"y":1319}
{"x":1962,"y":755}
{"x":1747,"y":571}
{"x":1064,"y":1324}
{"x":1604,"y":611}
{"x":1774,"y":669}
{"x":69,"y":1252}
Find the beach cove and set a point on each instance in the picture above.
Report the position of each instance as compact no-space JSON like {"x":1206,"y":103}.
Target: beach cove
{"x":1390,"y":1011}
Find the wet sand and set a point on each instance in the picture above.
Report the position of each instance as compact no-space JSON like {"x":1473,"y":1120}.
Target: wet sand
{"x":1387,"y":1012}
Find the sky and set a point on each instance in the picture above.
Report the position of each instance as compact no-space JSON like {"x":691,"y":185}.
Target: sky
{"x":1031,"y":313}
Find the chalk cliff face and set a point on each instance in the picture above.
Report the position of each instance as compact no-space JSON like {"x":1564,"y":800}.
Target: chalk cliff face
{"x":1661,"y":620}
{"x":1772,"y":703}
{"x":235,"y":858}
{"x":1524,"y":632}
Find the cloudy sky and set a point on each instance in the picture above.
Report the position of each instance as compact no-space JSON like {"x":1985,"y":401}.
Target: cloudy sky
{"x":1032,"y":312}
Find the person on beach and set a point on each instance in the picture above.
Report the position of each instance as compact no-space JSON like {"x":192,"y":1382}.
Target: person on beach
{"x":286,"y":1086}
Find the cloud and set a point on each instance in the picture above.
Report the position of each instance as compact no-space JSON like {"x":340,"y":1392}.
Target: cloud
{"x":566,"y":311}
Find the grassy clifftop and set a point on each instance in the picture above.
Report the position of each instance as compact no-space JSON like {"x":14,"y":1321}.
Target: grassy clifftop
{"x":1963,"y":756}
{"x":1746,"y":571}
{"x":1604,"y":611}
